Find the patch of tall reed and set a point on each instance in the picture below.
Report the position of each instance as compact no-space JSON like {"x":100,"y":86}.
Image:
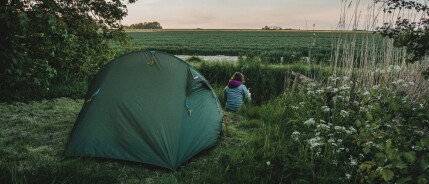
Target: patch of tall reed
{"x":374,"y":60}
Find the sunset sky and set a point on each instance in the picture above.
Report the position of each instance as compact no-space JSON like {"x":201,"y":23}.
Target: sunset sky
{"x":236,"y":14}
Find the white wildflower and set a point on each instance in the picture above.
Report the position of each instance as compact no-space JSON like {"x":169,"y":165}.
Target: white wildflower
{"x":340,"y":149}
{"x":352,"y":161}
{"x":325,"y":109}
{"x":309,"y":122}
{"x":322,"y":127}
{"x":399,"y":81}
{"x":295,"y":135}
{"x":353,"y":130}
{"x":268,"y":163}
{"x":366,"y":93}
{"x":319,"y":91}
{"x":348,"y":132}
{"x":394,"y":68}
{"x":397,"y":68}
{"x":344,"y":113}
{"x":314,"y":142}
{"x":348,"y":176}
{"x":347,"y":99}
{"x":370,"y":143}
{"x":338,"y":128}
{"x":294,"y":107}
{"x":344,"y":87}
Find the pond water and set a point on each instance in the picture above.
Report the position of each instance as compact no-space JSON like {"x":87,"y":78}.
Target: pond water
{"x":212,"y":58}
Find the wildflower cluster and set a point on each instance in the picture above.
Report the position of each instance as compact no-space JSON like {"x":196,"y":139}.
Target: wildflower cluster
{"x":376,"y":128}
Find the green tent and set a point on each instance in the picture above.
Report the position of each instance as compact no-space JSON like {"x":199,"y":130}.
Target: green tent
{"x":148,"y":107}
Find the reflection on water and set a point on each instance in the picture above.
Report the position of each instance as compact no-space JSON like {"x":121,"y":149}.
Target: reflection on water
{"x":212,"y":58}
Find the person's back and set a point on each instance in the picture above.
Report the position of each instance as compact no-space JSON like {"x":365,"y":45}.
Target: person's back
{"x":235,"y":93}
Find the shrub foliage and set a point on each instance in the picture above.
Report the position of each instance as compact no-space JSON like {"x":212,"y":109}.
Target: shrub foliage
{"x":56,"y":41}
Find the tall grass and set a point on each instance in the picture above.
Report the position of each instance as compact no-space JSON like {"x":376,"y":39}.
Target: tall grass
{"x":373,"y":60}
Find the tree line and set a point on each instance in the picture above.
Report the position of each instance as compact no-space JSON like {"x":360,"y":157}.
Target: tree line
{"x":145,"y":25}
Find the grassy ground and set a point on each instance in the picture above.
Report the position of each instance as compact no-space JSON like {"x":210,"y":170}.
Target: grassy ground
{"x":333,"y":133}
{"x":376,"y":136}
{"x":33,"y":136}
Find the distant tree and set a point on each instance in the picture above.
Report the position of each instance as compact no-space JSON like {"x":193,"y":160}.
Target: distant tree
{"x":145,"y":25}
{"x":411,"y":34}
{"x":65,"y":40}
{"x":272,"y":28}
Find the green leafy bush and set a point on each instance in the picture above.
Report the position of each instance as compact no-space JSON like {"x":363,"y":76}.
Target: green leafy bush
{"x":56,"y":42}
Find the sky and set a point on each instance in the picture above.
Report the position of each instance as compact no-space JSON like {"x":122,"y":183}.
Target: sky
{"x":236,"y":14}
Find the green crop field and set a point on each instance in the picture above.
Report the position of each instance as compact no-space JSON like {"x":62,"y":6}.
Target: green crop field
{"x":290,"y":45}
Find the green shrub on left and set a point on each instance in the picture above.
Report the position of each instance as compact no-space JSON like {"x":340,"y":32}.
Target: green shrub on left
{"x":42,"y":43}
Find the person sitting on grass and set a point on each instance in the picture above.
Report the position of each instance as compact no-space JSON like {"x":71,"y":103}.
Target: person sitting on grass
{"x":235,"y":93}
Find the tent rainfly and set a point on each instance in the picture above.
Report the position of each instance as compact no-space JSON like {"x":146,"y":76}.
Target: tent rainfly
{"x":149,"y":107}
